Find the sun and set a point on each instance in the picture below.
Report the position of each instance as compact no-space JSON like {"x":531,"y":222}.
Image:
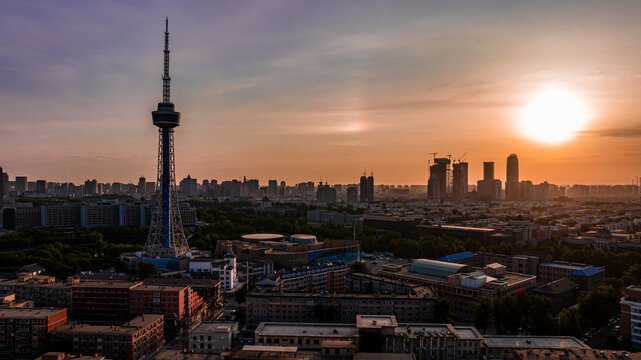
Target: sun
{"x":553,"y":116}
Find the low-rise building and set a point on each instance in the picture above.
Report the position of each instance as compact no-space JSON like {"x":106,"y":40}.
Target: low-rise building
{"x":318,"y":278}
{"x":266,"y":306}
{"x":24,"y":333}
{"x":212,"y":337}
{"x":563,"y":292}
{"x":133,"y":340}
{"x":460,"y":283}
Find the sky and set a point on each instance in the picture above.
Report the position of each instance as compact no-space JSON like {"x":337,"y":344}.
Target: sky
{"x":309,"y":90}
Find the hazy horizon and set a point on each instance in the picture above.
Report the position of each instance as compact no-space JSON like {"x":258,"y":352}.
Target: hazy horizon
{"x":307,"y":90}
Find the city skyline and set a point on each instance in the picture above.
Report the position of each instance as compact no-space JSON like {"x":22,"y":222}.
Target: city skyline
{"x":310,"y":91}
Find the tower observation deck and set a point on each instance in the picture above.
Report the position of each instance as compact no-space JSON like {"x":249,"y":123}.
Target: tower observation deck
{"x":166,"y":237}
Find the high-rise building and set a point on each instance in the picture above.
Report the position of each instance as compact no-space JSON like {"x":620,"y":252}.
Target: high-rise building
{"x":189,"y":187}
{"x":21,"y":185}
{"x":488,"y":170}
{"x":272,"y":188}
{"x":367,"y":188}
{"x":166,"y":235}
{"x":325,"y":194}
{"x":5,"y":183}
{"x":41,"y":186}
{"x":512,"y":191}
{"x":150,"y":187}
{"x":459,"y":181}
{"x":352,"y":194}
{"x":250,"y":187}
{"x":526,"y":190}
{"x":439,"y":184}
{"x":489,"y":189}
{"x":1,"y":187}
{"x":141,"y":185}
{"x":91,"y":187}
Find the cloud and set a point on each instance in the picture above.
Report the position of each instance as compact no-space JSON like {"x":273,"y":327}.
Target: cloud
{"x":623,"y":132}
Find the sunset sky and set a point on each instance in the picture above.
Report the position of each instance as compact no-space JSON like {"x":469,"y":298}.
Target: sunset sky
{"x":304,"y":90}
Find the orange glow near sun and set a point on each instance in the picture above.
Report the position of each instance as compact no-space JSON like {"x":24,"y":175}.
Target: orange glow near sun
{"x":553,"y":116}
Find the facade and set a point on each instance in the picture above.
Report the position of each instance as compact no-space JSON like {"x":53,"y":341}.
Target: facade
{"x":267,"y":306}
{"x":352,"y":195}
{"x":87,"y":215}
{"x":189,"y":187}
{"x":102,"y":301}
{"x":212,"y":337}
{"x":512,"y":191}
{"x":133,"y":340}
{"x":439,"y":185}
{"x":325,"y":194}
{"x":360,"y":283}
{"x":319,"y":278}
{"x":563,"y":293}
{"x":459,"y":180}
{"x":631,"y":315}
{"x":226,"y":270}
{"x":304,"y":336}
{"x":24,"y":332}
{"x":588,"y":277}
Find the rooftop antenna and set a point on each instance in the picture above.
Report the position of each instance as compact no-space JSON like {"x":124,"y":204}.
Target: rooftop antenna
{"x":166,"y":80}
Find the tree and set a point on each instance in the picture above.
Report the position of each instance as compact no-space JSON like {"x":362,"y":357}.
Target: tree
{"x":599,"y":305}
{"x":570,"y":323}
{"x":359,"y":267}
{"x":240,"y":294}
{"x":370,"y":341}
{"x":482,"y":313}
{"x":443,"y":311}
{"x":319,"y":311}
{"x":146,"y":270}
{"x":330,"y":314}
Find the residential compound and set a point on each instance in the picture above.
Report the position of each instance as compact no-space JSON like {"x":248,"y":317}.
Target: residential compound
{"x":86,"y":215}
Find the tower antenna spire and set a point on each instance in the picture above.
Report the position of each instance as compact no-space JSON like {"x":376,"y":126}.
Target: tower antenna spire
{"x":166,"y":80}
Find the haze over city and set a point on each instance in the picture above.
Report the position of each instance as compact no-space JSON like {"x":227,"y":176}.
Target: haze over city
{"x":307,"y":90}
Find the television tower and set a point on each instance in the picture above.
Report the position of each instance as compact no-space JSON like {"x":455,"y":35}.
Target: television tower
{"x":166,"y":237}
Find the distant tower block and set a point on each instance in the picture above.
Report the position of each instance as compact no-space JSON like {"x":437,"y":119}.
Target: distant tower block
{"x":166,"y":237}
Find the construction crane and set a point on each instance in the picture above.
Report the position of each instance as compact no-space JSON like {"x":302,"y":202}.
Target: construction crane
{"x":461,"y":158}
{"x":434,"y":155}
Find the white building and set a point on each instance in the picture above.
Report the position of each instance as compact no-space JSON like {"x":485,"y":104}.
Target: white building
{"x":212,"y":337}
{"x":226,"y":270}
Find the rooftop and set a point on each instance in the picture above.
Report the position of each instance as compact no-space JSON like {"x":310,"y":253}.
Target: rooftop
{"x":32,"y":313}
{"x":588,"y":271}
{"x":534,"y":342}
{"x":375,"y":321}
{"x":130,"y":327}
{"x":457,"y":257}
{"x":563,"y":266}
{"x":313,"y":329}
{"x":213,"y":327}
{"x":435,"y":267}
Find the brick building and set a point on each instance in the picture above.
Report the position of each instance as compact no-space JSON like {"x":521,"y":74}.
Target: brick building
{"x":133,"y":340}
{"x":24,"y":333}
{"x":303,"y":307}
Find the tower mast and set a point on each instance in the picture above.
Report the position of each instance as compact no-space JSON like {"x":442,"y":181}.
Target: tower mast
{"x":166,"y":237}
